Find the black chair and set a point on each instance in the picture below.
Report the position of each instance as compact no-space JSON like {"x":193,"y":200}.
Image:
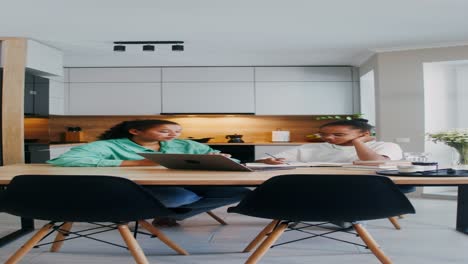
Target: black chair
{"x":326,"y":198}
{"x":403,"y":189}
{"x":88,"y":198}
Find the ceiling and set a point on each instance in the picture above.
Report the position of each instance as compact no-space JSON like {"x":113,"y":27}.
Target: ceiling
{"x":221,"y":32}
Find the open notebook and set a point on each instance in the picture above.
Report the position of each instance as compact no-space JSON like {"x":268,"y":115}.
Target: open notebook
{"x":356,"y":165}
{"x":298,"y":164}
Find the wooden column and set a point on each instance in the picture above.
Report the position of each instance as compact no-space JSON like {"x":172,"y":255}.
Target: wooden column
{"x":14,"y":63}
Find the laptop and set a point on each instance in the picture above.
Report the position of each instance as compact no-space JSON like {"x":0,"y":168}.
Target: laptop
{"x":197,"y":162}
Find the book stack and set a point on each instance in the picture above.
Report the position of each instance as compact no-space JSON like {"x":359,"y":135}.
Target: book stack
{"x":378,"y":164}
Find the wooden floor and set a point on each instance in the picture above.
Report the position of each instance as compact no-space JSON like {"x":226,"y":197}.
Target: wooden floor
{"x":427,"y":237}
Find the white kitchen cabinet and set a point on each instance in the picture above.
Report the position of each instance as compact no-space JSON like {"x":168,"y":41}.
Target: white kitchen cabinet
{"x":56,"y":106}
{"x":44,"y":59}
{"x":208,"y":74}
{"x":259,"y":90}
{"x":114,"y":99}
{"x":114,"y":75}
{"x":56,"y":88}
{"x":303,"y":98}
{"x":208,"y":97}
{"x":303,"y":74}
{"x":261,"y":150}
{"x":56,"y":97}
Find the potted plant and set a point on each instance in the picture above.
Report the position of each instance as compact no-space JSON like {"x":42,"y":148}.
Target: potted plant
{"x":457,"y":139}
{"x":339,"y":117}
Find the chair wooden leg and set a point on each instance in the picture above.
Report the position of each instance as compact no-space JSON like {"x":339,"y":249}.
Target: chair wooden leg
{"x":153,"y":230}
{"x":132,"y":244}
{"x":261,"y":236}
{"x":263,"y":248}
{"x":20,"y":253}
{"x":58,"y":242}
{"x":371,"y":244}
{"x":394,"y":222}
{"x":217,"y":218}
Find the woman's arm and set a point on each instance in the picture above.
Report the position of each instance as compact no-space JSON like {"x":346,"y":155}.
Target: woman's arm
{"x":289,"y":155}
{"x":364,"y":152}
{"x":81,"y":157}
{"x":143,"y":162}
{"x":89,"y":155}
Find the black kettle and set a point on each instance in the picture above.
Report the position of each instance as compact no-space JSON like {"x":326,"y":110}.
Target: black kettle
{"x":235,"y":138}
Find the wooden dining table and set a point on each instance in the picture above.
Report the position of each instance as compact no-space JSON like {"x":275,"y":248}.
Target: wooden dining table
{"x":157,"y":175}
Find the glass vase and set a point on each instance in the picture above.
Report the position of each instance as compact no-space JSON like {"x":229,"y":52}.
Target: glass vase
{"x":461,"y":161}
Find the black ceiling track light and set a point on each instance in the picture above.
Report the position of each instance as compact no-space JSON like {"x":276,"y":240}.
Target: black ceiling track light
{"x":119,"y":48}
{"x":177,"y":47}
{"x":148,"y":45}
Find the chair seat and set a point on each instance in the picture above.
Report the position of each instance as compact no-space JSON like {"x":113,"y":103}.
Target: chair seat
{"x":90,"y":198}
{"x":321,"y":198}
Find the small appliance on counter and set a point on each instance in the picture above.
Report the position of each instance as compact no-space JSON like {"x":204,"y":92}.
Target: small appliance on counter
{"x":280,"y":136}
{"x":74,"y":134}
{"x":235,"y":138}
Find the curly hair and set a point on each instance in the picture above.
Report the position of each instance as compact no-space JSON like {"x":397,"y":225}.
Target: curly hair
{"x":121,"y":130}
{"x":358,"y":123}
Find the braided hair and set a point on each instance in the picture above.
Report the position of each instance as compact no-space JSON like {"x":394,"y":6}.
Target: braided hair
{"x":358,"y":123}
{"x":121,"y":130}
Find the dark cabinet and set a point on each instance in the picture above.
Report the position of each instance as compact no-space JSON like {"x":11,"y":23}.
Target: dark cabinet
{"x":36,"y":95}
{"x":36,"y":153}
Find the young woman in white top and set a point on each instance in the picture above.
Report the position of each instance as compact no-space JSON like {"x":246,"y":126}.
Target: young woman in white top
{"x":345,"y":141}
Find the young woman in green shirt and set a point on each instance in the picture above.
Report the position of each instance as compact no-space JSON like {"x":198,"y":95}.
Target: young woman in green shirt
{"x":119,"y":146}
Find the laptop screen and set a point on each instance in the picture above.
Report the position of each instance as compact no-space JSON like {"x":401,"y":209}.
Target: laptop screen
{"x":195,"y":162}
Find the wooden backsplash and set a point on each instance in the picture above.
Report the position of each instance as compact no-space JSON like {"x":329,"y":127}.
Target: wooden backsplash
{"x":36,"y":128}
{"x":254,"y":128}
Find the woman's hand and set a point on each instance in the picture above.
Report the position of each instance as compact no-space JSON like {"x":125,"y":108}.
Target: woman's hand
{"x":363,"y":139}
{"x":219,"y":153}
{"x":363,"y":151}
{"x":143,"y":162}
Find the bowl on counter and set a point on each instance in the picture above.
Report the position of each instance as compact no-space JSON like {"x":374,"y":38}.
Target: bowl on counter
{"x":200,"y":140}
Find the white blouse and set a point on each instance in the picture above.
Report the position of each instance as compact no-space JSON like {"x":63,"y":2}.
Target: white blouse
{"x":326,"y":152}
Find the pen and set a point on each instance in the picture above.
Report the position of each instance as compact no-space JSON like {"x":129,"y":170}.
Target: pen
{"x":275,"y":157}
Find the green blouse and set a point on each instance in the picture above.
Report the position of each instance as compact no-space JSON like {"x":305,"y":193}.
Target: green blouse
{"x":111,"y":152}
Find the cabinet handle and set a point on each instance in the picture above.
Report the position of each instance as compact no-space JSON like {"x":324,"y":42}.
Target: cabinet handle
{"x":33,"y":92}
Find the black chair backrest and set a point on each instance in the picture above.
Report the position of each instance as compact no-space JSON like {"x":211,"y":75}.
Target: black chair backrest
{"x":87,"y":198}
{"x":325,"y":198}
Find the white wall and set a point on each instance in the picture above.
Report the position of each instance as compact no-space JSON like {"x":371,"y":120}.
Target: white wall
{"x":400,"y":105}
{"x":368,"y":96}
{"x":399,"y":83}
{"x":44,"y":59}
{"x":371,"y":65}
{"x":462,"y":95}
